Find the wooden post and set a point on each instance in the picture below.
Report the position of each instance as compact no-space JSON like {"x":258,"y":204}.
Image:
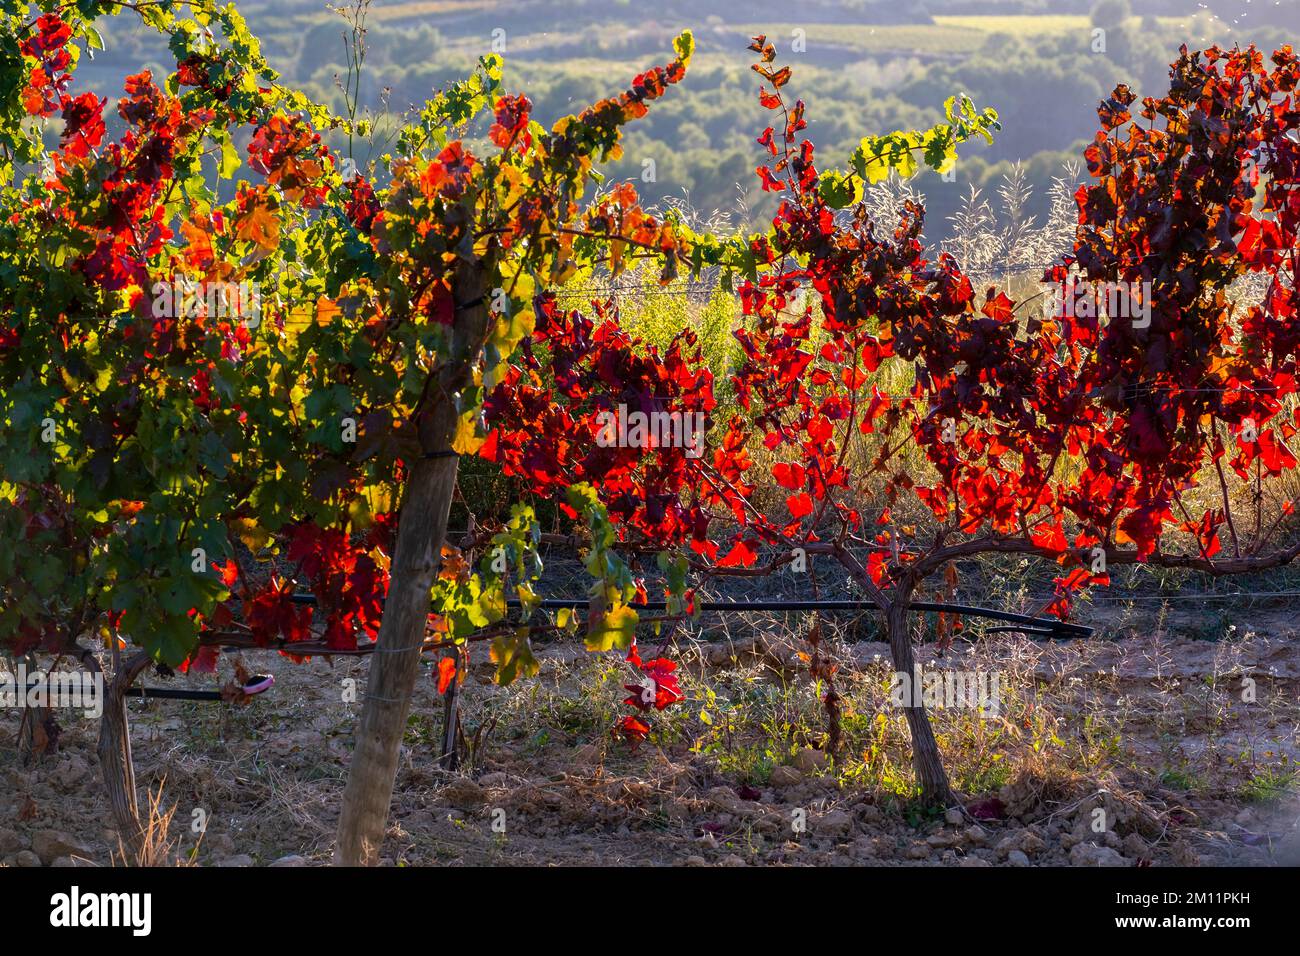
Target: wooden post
{"x":421,"y":530}
{"x":450,"y":756}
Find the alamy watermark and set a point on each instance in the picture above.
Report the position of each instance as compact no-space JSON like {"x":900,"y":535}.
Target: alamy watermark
{"x":184,"y":298}
{"x":73,"y":690}
{"x":1080,"y":299}
{"x":133,"y":911}
{"x":636,"y":429}
{"x":948,"y":690}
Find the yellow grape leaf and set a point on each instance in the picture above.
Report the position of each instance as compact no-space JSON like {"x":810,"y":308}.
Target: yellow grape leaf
{"x":905,"y":163}
{"x":524,"y":288}
{"x":563,"y":270}
{"x":297,"y":398}
{"x":510,"y":330}
{"x":381,"y":498}
{"x":528,"y":599}
{"x":684,"y":47}
{"x":514,"y":185}
{"x":359,"y":514}
{"x":617,"y":252}
{"x":949,"y":161}
{"x":297,"y":318}
{"x":467,"y":440}
{"x":513,"y":657}
{"x":613,"y":628}
{"x":254,"y":537}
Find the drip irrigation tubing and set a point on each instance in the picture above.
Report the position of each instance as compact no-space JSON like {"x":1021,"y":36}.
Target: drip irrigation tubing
{"x":1037,"y":625}
{"x":1042,"y":626}
{"x":1029,"y":625}
{"x":252,"y":689}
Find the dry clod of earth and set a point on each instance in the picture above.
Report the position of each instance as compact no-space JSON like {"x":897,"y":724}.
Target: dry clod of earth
{"x":810,"y":761}
{"x":835,"y":824}
{"x":1089,"y":854}
{"x":11,"y":842}
{"x":464,"y":794}
{"x":786,"y":777}
{"x":49,"y":845}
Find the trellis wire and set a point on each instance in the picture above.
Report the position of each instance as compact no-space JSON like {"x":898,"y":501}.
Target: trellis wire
{"x":1044,"y":626}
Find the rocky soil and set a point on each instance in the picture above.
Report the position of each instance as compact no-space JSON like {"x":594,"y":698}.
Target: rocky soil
{"x":260,"y":784}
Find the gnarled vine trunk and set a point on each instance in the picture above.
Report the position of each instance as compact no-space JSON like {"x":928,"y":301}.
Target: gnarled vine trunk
{"x":421,"y":531}
{"x":926,"y":758}
{"x":114,"y":752}
{"x":32,"y":742}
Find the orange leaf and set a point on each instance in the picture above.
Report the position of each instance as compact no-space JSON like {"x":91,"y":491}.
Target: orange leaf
{"x":257,"y":224}
{"x":446,"y":673}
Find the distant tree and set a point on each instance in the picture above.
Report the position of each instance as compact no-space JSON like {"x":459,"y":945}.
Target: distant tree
{"x":1111,"y":14}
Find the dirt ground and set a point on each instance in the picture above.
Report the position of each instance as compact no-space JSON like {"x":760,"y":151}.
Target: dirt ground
{"x":1142,"y":750}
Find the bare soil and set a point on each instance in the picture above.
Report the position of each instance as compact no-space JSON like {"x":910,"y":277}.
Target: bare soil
{"x":1195,"y":771}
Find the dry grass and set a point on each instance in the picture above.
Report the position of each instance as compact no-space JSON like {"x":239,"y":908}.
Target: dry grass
{"x":1143,"y":723}
{"x":157,"y":846}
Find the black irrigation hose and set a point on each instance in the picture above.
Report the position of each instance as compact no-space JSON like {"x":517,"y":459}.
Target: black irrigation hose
{"x":1030,"y":626}
{"x":1043,"y":626}
{"x":1036,"y":625}
{"x":255,"y":685}
{"x":168,"y":694}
